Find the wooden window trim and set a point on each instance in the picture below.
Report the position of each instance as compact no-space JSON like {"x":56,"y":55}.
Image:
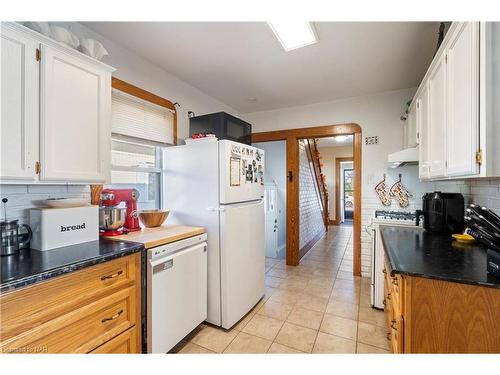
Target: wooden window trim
{"x":291,"y":136}
{"x":130,"y":89}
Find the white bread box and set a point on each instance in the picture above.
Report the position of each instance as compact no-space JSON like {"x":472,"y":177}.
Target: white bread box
{"x":57,"y":227}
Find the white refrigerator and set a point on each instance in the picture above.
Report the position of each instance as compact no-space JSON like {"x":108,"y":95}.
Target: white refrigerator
{"x":219,"y":185}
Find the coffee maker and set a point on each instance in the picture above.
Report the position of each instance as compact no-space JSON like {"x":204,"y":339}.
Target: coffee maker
{"x":115,"y":220}
{"x":442,"y":212}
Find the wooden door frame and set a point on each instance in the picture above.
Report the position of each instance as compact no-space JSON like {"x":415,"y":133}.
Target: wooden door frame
{"x":292,"y":136}
{"x":337,"y":185}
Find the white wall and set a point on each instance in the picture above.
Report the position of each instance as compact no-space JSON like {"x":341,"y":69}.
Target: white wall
{"x":140,"y":72}
{"x":275,"y":171}
{"x":377,"y":114}
{"x":328,"y":155}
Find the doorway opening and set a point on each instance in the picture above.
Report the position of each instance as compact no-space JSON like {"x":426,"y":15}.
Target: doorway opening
{"x":347,"y":198}
{"x":274,"y":197}
{"x":292,"y":137}
{"x":344,"y":189}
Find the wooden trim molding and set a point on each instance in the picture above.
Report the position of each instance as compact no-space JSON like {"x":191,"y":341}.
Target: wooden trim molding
{"x":292,"y":136}
{"x":311,"y":243}
{"x":337,"y":186}
{"x":130,"y":89}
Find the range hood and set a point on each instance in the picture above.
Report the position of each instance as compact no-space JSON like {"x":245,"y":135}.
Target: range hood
{"x":408,"y":156}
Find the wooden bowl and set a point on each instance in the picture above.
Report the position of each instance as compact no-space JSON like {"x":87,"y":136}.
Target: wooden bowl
{"x":153,"y":218}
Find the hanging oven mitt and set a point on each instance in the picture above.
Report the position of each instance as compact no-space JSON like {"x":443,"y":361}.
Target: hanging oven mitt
{"x":383,"y":193}
{"x":401,"y":194}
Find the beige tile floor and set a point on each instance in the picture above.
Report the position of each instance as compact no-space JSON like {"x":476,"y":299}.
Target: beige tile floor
{"x":316,"y":307}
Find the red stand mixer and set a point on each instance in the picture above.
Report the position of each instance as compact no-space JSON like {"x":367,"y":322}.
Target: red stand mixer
{"x":114,"y":220}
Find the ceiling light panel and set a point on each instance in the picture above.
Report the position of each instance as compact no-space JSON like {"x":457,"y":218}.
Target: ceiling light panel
{"x":293,"y":34}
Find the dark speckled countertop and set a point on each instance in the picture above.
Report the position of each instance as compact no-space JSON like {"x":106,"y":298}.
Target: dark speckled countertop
{"x":415,"y":252}
{"x":32,"y":266}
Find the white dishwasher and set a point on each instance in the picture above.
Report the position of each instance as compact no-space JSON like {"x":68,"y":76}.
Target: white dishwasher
{"x":176,"y":291}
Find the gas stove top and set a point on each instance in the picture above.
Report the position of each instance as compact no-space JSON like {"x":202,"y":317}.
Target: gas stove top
{"x":395,"y":215}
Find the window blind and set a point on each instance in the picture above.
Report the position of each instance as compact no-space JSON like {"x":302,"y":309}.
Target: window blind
{"x":137,"y":118}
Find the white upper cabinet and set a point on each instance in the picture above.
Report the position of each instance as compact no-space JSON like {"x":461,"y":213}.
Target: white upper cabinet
{"x":462,"y":94}
{"x":56,"y":105}
{"x":458,"y":134}
{"x":422,"y":120}
{"x":19,"y":107}
{"x":437,"y":119}
{"x":411,"y":129}
{"x":74,"y":123}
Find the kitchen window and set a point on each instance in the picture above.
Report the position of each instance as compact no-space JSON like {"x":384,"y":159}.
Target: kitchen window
{"x":138,"y":166}
{"x":142,"y":125}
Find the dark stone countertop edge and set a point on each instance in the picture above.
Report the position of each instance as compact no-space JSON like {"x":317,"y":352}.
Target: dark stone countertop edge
{"x":49,"y":274}
{"x":393,"y":271}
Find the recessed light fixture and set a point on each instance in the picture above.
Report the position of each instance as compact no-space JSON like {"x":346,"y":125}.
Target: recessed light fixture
{"x":293,"y":34}
{"x":252,"y":99}
{"x":340,"y":138}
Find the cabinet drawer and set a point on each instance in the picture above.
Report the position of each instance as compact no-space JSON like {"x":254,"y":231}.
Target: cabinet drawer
{"x":81,"y":330}
{"x":25,"y":309}
{"x":124,"y":343}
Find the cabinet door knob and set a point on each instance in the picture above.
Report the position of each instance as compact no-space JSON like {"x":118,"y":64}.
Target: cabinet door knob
{"x":116,"y":316}
{"x":111,"y":276}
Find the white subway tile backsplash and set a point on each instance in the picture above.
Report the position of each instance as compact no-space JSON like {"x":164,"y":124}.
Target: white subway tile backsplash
{"x":37,"y":189}
{"x":79,"y":189}
{"x":494,"y":204}
{"x":484,"y":190}
{"x":13,"y":189}
{"x":24,"y":197}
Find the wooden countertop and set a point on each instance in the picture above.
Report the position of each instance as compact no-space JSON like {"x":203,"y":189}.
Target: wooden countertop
{"x":152,"y":237}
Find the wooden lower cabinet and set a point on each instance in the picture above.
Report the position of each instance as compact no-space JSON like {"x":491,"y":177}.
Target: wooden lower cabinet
{"x":125,"y":342}
{"x":434,"y":316}
{"x":90,"y":310}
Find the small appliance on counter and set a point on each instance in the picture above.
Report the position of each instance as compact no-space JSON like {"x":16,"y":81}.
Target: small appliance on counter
{"x":484,"y":225}
{"x":115,"y":220}
{"x":442,"y":212}
{"x":12,"y":238}
{"x":57,"y":227}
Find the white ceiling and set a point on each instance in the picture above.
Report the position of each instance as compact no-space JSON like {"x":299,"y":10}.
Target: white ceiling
{"x":238,"y":61}
{"x":331,"y":142}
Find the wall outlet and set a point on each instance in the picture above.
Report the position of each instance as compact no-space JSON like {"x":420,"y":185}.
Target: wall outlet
{"x":373,"y":140}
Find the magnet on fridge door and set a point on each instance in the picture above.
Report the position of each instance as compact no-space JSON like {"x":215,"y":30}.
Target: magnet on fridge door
{"x":249,"y":174}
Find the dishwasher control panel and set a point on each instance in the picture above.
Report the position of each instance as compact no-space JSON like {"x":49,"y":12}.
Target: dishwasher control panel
{"x":163,"y":250}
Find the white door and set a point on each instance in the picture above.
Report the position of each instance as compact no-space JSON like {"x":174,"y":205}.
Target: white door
{"x":19,"y":106}
{"x":422,"y":119}
{"x":462,"y":90}
{"x":242,"y":259}
{"x":437,"y":119}
{"x":241,"y":172}
{"x":75,"y":135}
{"x":271,"y":217}
{"x":177,"y":296}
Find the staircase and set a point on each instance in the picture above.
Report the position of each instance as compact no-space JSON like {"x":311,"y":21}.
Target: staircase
{"x":315,"y":160}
